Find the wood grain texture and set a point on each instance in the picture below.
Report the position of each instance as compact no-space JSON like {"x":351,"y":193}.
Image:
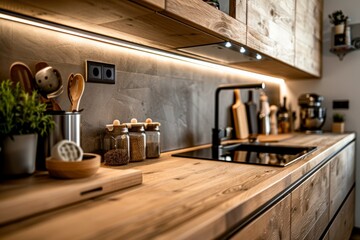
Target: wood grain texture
{"x":344,"y":221}
{"x":203,"y":16}
{"x":342,"y":177}
{"x":273,"y":224}
{"x":238,"y":10}
{"x":271,"y":28}
{"x":308,"y":32}
{"x":180,"y":198}
{"x":310,"y":206}
{"x":24,"y":197}
{"x":120,"y":19}
{"x":157,"y":5}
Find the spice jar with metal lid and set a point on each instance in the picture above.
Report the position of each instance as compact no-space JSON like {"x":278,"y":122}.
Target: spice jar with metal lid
{"x":152,"y":131}
{"x":137,"y":141}
{"x":119,"y":149}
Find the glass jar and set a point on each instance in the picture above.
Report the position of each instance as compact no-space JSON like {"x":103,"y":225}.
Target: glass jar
{"x":152,"y":140}
{"x":118,"y":152}
{"x":137,"y":142}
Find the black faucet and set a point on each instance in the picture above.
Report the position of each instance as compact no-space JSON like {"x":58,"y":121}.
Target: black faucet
{"x":217,"y":133}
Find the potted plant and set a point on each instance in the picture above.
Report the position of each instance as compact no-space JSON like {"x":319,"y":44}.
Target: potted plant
{"x":22,"y":118}
{"x":338,"y":125}
{"x":339,"y":20}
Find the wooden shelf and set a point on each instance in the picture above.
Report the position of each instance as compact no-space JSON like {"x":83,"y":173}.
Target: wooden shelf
{"x":342,"y":50}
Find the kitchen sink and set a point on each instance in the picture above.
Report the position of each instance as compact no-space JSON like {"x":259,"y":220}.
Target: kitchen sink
{"x":252,"y":153}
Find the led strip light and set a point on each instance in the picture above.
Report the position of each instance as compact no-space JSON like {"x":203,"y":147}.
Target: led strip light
{"x":117,"y":42}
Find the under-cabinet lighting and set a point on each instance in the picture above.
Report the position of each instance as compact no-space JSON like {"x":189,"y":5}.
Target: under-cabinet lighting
{"x":113,"y":41}
{"x":242,"y":50}
{"x":258,"y":56}
{"x":228,"y":44}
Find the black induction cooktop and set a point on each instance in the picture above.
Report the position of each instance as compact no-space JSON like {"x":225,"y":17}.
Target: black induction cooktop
{"x":252,"y":153}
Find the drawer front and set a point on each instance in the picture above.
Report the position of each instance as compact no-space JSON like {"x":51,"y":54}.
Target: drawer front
{"x":343,"y":224}
{"x":273,"y":224}
{"x":310,"y":206}
{"x":342,"y":176}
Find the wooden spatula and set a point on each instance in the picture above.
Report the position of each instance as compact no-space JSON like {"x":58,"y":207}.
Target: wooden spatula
{"x":76,"y":86}
{"x":20,"y":72}
{"x":240,"y":120}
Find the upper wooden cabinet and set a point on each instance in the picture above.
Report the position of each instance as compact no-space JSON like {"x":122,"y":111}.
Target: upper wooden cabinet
{"x":289,"y":43}
{"x":271,"y":28}
{"x":308,"y":35}
{"x":201,"y":15}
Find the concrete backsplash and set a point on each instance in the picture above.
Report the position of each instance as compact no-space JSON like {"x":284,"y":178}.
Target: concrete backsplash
{"x":178,"y":94}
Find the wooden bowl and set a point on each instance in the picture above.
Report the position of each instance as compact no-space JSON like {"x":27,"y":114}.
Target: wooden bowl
{"x":70,"y":170}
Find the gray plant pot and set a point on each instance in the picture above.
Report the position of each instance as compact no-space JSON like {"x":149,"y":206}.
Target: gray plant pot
{"x":18,"y":155}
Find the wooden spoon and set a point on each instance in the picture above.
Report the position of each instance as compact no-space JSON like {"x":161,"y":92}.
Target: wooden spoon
{"x":20,"y":72}
{"x":76,"y":89}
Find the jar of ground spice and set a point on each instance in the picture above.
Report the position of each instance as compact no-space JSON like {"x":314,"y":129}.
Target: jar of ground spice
{"x":152,"y":131}
{"x":119,"y":150}
{"x":137,"y":141}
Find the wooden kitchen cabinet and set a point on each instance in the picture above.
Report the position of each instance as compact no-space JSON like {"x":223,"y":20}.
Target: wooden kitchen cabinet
{"x":310,"y":206}
{"x":201,"y":15}
{"x":308,"y":36}
{"x":273,"y":224}
{"x":343,"y":224}
{"x":342,"y":177}
{"x":271,"y":28}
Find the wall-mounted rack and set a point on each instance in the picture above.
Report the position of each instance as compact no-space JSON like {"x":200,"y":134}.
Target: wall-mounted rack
{"x":342,"y":50}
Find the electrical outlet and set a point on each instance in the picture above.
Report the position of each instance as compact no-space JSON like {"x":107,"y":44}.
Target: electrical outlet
{"x":100,"y":72}
{"x":108,"y":74}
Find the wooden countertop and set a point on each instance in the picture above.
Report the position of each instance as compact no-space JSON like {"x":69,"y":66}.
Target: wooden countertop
{"x":180,"y":198}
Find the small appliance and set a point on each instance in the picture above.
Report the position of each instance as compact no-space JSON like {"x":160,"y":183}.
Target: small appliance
{"x":312,"y":113}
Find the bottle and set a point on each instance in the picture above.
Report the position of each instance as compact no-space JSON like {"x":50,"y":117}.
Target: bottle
{"x":118,"y":148}
{"x":283,"y":118}
{"x":273,"y":120}
{"x":137,"y":141}
{"x":251,"y":113}
{"x":264,"y":118}
{"x":152,"y":131}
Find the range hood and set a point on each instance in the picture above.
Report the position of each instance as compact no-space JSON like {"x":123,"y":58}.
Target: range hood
{"x":224,"y":53}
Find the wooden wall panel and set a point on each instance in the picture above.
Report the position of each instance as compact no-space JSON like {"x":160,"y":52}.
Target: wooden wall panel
{"x":271,"y":28}
{"x":310,"y":206}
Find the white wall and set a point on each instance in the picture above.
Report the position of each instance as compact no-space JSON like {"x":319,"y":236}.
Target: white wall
{"x":341,"y":80}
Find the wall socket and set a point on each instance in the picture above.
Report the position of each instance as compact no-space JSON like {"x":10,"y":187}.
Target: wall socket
{"x":98,"y":72}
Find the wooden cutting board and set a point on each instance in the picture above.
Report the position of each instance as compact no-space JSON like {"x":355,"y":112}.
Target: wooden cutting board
{"x":24,"y":197}
{"x":239,"y":114}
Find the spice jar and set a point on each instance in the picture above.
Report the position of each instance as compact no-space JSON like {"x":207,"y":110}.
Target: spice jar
{"x":118,"y":151}
{"x":152,"y":139}
{"x":137,"y":141}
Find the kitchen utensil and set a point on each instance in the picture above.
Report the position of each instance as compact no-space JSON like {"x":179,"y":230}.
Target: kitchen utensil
{"x":40,"y":65}
{"x":48,"y":81}
{"x":87,"y":167}
{"x":76,"y":89}
{"x":70,"y":82}
{"x":239,"y":114}
{"x":66,"y":150}
{"x":20,"y":72}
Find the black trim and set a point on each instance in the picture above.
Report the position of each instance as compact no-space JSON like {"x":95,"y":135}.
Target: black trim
{"x":272,"y":202}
